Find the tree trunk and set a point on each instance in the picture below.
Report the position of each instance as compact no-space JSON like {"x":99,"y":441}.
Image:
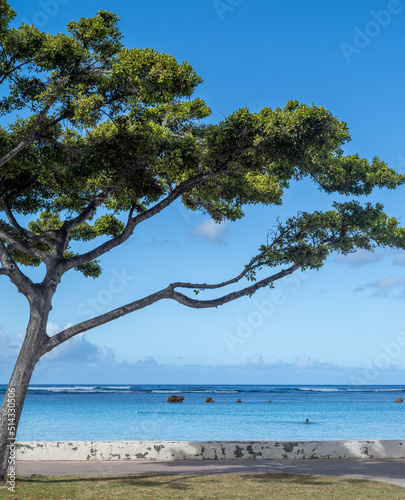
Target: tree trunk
{"x":31,"y":351}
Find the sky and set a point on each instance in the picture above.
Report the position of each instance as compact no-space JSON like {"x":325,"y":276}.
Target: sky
{"x":343,"y":324}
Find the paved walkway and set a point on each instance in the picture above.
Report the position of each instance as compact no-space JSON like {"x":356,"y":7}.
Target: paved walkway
{"x":390,"y":471}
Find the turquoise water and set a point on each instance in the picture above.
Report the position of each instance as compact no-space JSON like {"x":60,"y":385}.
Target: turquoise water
{"x":141,"y":413}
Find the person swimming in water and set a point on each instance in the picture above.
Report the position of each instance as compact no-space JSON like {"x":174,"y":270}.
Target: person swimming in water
{"x":307,"y":421}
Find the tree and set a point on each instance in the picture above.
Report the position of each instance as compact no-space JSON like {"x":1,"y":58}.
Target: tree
{"x":111,"y":136}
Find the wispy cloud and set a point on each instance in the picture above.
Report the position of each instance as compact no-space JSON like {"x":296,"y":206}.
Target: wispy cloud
{"x":255,"y":360}
{"x":147,"y":361}
{"x":52,"y":328}
{"x":361,"y":258}
{"x":9,"y":346}
{"x":82,"y":361}
{"x":399,"y":260}
{"x":391,"y":286}
{"x":210,"y":231}
{"x":301,"y":363}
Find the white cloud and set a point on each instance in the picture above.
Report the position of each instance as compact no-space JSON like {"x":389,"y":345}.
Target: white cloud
{"x":301,"y":362}
{"x":384,"y":284}
{"x":52,"y":328}
{"x":256,"y":360}
{"x":399,"y":260}
{"x":211,"y":231}
{"x":147,"y":361}
{"x":305,"y":361}
{"x":391,"y":286}
{"x":9,"y":346}
{"x":361,"y":258}
{"x":79,"y":350}
{"x":81,"y":361}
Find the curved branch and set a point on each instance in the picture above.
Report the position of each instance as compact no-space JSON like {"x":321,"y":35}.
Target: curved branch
{"x":18,"y":245}
{"x":87,"y":212}
{"x":6,"y":74}
{"x":166,"y":293}
{"x":9,"y":268}
{"x":205,"y":286}
{"x":31,"y":136}
{"x":61,"y":144}
{"x":134,"y":221}
{"x":22,"y":231}
{"x":204,"y":304}
{"x":70,"y":332}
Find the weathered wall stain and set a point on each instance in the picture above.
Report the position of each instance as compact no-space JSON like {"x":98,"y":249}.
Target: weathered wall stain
{"x":207,"y":450}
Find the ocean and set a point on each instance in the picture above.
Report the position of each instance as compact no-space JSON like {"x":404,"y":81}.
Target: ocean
{"x":141,"y":412}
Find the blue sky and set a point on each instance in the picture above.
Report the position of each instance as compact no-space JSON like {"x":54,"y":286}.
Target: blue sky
{"x":343,"y":324}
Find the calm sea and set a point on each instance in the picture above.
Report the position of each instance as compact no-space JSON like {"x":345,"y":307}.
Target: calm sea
{"x":128,"y":412}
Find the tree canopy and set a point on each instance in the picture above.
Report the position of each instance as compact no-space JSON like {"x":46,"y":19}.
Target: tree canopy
{"x":100,"y":126}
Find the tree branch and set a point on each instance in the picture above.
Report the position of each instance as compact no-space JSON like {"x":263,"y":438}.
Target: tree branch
{"x":166,"y":293}
{"x":4,"y":75}
{"x":65,"y":146}
{"x":18,"y":245}
{"x":134,"y":221}
{"x":22,"y":231}
{"x":204,"y":304}
{"x":205,"y":286}
{"x":31,"y":136}
{"x":10,"y":269}
{"x":69,"y":225}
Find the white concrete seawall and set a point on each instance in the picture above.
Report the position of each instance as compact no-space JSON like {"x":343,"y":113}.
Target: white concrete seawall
{"x":208,"y":450}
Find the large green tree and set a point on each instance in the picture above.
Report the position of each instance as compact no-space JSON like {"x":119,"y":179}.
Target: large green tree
{"x":108,"y":137}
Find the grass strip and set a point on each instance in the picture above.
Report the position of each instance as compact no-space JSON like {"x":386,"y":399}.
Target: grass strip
{"x":200,"y":486}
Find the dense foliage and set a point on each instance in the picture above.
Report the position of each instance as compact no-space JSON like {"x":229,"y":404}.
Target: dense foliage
{"x":96,"y":125}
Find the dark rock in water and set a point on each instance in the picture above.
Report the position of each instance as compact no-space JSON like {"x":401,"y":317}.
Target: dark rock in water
{"x":209,"y":400}
{"x":175,"y":399}
{"x":399,"y":400}
{"x":239,"y":401}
